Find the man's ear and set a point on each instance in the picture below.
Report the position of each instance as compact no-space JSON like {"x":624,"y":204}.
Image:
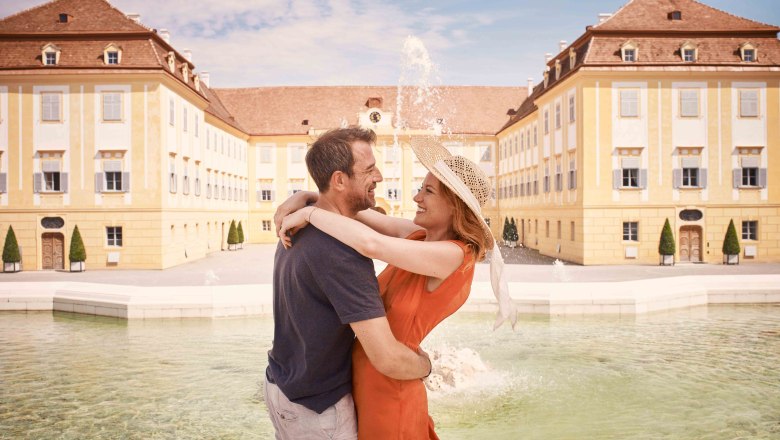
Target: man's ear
{"x":338,"y":180}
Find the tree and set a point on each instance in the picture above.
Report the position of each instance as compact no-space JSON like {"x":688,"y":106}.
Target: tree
{"x":11,"y":248}
{"x":666,"y":245}
{"x":232,"y":237}
{"x":77,"y":252}
{"x":513,"y":236}
{"x":505,"y":231}
{"x":731,"y":241}
{"x":240,"y":235}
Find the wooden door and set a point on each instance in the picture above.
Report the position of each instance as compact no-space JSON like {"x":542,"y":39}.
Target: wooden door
{"x":53,"y":251}
{"x":690,"y":244}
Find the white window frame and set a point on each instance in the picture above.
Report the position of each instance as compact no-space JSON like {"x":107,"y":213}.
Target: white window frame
{"x":629,"y":106}
{"x":112,"y":106}
{"x":631,"y":231}
{"x":750,"y":230}
{"x":114,"y":237}
{"x":689,"y":102}
{"x":51,"y":108}
{"x":752,"y":104}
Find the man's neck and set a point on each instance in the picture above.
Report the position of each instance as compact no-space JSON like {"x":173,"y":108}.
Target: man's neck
{"x":331,"y":203}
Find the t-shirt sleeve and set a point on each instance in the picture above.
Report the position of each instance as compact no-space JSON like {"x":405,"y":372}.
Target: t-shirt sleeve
{"x":348,"y":281}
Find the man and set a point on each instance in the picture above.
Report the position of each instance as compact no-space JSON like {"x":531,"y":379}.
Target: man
{"x":325,"y":294}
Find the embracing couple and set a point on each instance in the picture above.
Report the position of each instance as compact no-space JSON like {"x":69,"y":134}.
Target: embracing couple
{"x":346,"y":360}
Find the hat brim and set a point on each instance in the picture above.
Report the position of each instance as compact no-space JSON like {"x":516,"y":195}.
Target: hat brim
{"x":430,"y":151}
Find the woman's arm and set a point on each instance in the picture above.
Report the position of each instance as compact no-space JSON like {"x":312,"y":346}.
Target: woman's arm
{"x":387,"y":224}
{"x":292,"y":204}
{"x":436,"y":259}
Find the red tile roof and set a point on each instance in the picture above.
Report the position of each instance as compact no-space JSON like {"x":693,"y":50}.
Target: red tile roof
{"x":85,"y":16}
{"x":653,"y":15}
{"x":281,"y":110}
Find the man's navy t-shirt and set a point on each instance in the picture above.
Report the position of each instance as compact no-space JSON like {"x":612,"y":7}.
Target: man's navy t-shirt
{"x":320,"y":286}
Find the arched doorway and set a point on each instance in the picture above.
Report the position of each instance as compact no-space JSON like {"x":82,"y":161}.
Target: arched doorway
{"x":690,"y":244}
{"x":53,"y":251}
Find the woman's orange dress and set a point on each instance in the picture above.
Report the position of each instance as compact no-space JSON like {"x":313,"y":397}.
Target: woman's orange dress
{"x":398,"y":409}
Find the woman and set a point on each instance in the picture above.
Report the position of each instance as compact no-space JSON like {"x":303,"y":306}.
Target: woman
{"x":431,"y":265}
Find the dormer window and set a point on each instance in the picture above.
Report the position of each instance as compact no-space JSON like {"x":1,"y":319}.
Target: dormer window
{"x":629,"y":52}
{"x":557,"y":69}
{"x":748,"y":53}
{"x":675,"y":15}
{"x":185,"y":73}
{"x":50,"y":55}
{"x":112,"y":54}
{"x":689,"y":52}
{"x":546,"y":78}
{"x":171,"y":62}
{"x":63,"y":18}
{"x":572,"y":58}
{"x":196,"y":81}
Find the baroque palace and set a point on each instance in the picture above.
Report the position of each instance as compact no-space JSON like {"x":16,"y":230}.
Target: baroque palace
{"x":663,"y":110}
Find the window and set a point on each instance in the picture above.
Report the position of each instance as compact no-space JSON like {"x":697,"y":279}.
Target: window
{"x":572,"y":231}
{"x":112,"y":170}
{"x":558,"y":178}
{"x":51,"y":58}
{"x":689,"y":103}
{"x":171,"y":112}
{"x":197,"y":126}
{"x":557,"y":116}
{"x":486,"y":156}
{"x":629,"y":103}
{"x":112,"y":106}
{"x":172,"y":175}
{"x":750,"y":230}
{"x":559,"y":229}
{"x":689,"y":55}
{"x":546,"y":179}
{"x":114,"y":236}
{"x":690,"y":177}
{"x":675,"y":15}
{"x":572,"y":109}
{"x":184,"y":118}
{"x":51,"y":176}
{"x":185,"y":188}
{"x":547,"y":228}
{"x":266,"y":225}
{"x":51,"y":107}
{"x":630,"y":231}
{"x":572,"y":174}
{"x":546,"y":122}
{"x":295,"y":186}
{"x":112,"y":57}
{"x":296,"y":153}
{"x":748,"y":103}
{"x":630,"y":178}
{"x":749,"y":55}
{"x":197,"y":180}
{"x":749,"y":176}
{"x":629,"y":55}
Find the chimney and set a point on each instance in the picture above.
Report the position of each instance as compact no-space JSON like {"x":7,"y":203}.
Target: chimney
{"x":135,"y":17}
{"x":547,"y":57}
{"x":204,"y":78}
{"x":530,"y":85}
{"x":187,"y":54}
{"x":165,"y":35}
{"x":561,"y":45}
{"x":603,"y":17}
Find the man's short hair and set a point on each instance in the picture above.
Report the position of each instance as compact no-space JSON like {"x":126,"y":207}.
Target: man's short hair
{"x":332,"y":152}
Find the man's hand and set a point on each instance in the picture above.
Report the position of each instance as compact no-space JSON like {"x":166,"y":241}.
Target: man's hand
{"x":387,"y":355}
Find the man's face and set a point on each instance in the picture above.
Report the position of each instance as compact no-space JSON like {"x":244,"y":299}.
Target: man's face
{"x":365,"y":175}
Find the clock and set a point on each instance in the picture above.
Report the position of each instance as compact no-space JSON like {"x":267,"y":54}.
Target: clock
{"x":375,"y":117}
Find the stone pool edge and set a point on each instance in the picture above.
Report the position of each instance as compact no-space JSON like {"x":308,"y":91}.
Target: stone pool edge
{"x":628,"y":298}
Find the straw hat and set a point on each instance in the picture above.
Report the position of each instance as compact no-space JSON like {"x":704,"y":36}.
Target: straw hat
{"x":462,"y":176}
{"x":471,"y":185}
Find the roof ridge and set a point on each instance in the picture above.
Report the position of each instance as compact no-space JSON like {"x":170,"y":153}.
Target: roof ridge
{"x":733,"y":15}
{"x":614,"y":14}
{"x":31,"y":8}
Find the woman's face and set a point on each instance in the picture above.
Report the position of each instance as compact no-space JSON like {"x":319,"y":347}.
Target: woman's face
{"x":434,"y":211}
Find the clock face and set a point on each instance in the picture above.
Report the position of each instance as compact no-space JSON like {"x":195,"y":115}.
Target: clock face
{"x":375,"y":117}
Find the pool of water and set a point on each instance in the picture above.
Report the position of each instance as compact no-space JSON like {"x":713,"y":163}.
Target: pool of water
{"x":702,"y":373}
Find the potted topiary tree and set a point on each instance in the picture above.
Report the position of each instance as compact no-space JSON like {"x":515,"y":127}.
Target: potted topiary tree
{"x":78,"y":255}
{"x":240,"y":236}
{"x":505,"y":231}
{"x":731,"y":247}
{"x":232,"y":237}
{"x":512,"y":234}
{"x":12,"y":258}
{"x":666,"y":247}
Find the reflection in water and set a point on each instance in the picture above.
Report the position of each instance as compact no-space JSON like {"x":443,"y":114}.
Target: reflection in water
{"x":689,"y":374}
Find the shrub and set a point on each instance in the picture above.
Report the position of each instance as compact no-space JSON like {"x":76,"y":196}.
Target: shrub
{"x":666,"y":246}
{"x":731,"y":241}
{"x":240,"y":233}
{"x":11,"y":248}
{"x":232,"y":237}
{"x":77,"y":251}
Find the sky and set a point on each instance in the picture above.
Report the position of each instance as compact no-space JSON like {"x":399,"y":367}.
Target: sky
{"x":245,"y":43}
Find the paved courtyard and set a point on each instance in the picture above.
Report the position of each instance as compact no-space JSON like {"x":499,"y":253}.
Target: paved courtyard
{"x":254,"y":264}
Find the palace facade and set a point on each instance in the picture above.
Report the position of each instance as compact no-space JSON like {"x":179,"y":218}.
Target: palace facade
{"x":662,"y":110}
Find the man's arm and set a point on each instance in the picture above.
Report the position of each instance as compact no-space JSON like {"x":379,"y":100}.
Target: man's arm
{"x":387,"y":355}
